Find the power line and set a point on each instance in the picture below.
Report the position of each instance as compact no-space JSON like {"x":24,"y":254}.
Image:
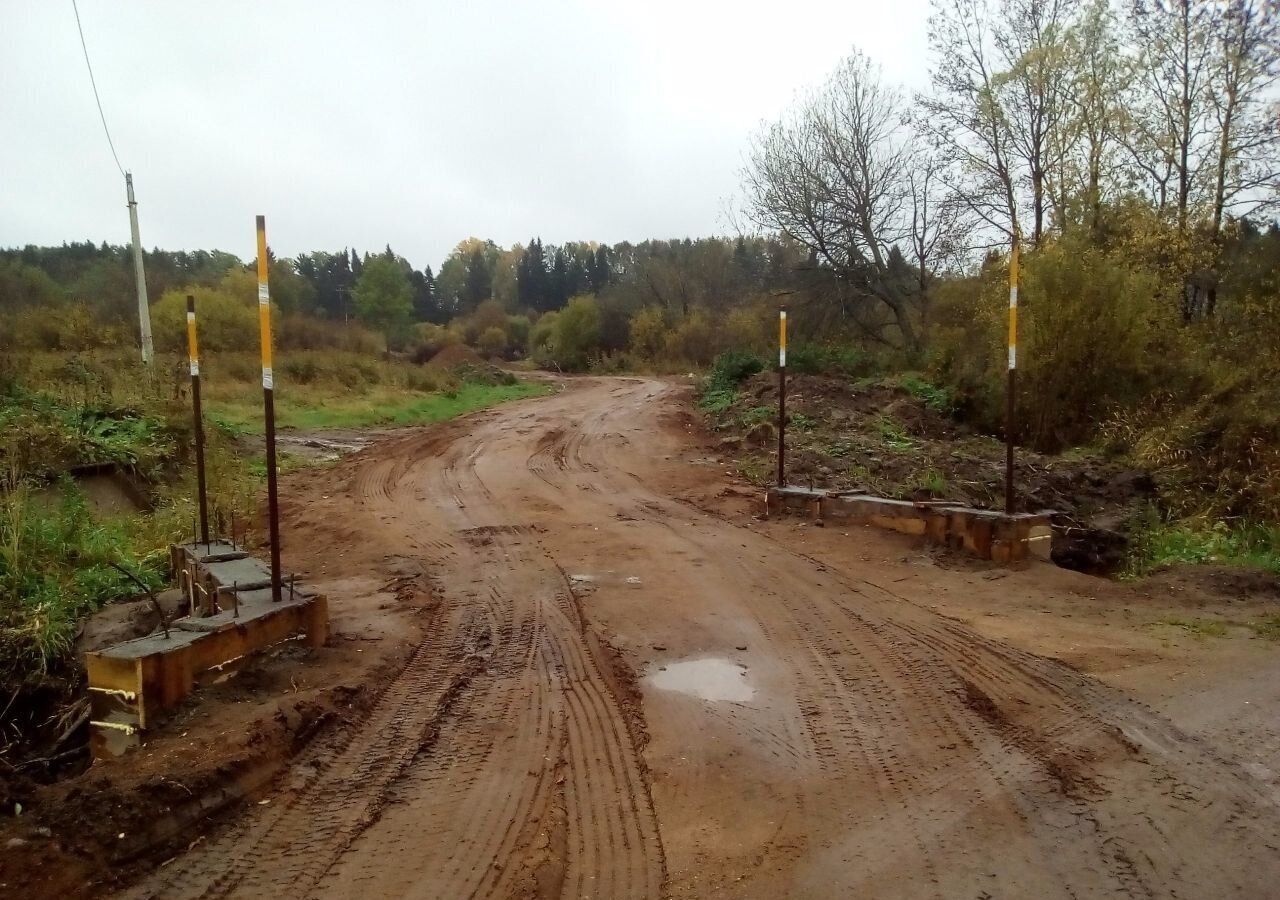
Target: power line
{"x":94,"y":82}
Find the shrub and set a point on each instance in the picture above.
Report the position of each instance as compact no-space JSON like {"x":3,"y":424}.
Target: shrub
{"x":518,"y":328}
{"x":733,"y":367}
{"x":693,"y":340}
{"x":225,"y":322}
{"x":488,"y":314}
{"x":572,"y":336}
{"x":1094,"y":336}
{"x":68,"y":328}
{"x":492,"y":341}
{"x":648,"y":333}
{"x":720,"y":387}
{"x":751,"y":328}
{"x":540,"y":334}
{"x":293,"y":331}
{"x":938,"y":399}
{"x":427,"y":340}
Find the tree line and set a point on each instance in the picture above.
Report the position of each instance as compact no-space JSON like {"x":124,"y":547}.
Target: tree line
{"x":387,"y":293}
{"x":1155,"y":122}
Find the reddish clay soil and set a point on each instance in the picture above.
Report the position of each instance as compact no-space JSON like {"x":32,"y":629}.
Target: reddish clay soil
{"x":617,"y":683}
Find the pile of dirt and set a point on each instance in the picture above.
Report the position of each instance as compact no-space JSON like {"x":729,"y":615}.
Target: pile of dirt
{"x":453,"y":356}
{"x":886,"y":439}
{"x":465,"y":364}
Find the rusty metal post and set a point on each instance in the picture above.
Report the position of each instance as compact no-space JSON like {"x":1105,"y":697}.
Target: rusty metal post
{"x":782,"y":396}
{"x":1010,"y":421}
{"x":269,"y":407}
{"x":193,"y":357}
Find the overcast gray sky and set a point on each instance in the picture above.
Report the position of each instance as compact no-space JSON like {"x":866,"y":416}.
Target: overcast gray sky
{"x":414,"y":124}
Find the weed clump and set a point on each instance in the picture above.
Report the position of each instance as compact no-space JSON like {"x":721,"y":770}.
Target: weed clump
{"x":57,"y":564}
{"x":728,"y":371}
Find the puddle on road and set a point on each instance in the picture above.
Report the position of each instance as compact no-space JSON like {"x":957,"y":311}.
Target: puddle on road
{"x":711,"y":678}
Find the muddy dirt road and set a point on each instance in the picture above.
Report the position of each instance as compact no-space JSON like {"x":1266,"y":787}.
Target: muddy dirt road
{"x":623,"y":696}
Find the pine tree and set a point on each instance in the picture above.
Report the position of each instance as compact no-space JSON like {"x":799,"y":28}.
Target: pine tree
{"x":558,"y":292}
{"x":531,"y":277}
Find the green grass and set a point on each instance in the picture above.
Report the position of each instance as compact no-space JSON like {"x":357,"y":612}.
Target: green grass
{"x":55,"y":568}
{"x":1158,"y":544}
{"x":931,"y":481}
{"x":938,"y":399}
{"x":718,"y":400}
{"x":376,"y":406}
{"x":894,"y":435}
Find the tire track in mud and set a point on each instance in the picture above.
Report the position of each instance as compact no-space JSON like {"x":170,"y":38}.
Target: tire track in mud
{"x":893,"y":753}
{"x":499,"y":761}
{"x":915,"y":678}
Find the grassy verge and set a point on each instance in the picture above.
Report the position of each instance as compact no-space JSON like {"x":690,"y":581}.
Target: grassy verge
{"x":1158,"y":544}
{"x":310,"y":410}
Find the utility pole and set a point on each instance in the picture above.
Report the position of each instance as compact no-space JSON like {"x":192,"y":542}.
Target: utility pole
{"x":144,"y":310}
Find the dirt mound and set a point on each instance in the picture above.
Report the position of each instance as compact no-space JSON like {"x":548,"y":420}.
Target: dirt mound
{"x":845,"y":402}
{"x":895,"y":438}
{"x":453,"y":356}
{"x":467,"y":365}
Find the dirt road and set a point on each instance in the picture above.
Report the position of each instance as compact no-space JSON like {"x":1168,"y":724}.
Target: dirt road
{"x":624,"y":696}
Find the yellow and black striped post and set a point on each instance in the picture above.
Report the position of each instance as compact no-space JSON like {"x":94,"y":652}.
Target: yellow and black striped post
{"x":269,"y":407}
{"x":193,"y":357}
{"x":782,"y":396}
{"x":1010,"y":424}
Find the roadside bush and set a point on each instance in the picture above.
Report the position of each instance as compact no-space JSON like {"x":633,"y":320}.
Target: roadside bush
{"x":225,"y":322}
{"x":1216,"y":455}
{"x":40,"y":436}
{"x":615,"y":325}
{"x":752,"y":327}
{"x":294,"y":331}
{"x":730,"y":369}
{"x":540,"y":335}
{"x":573,"y":337}
{"x":693,"y":340}
{"x":614,"y":363}
{"x":488,"y":314}
{"x":518,"y":328}
{"x":492,"y":342}
{"x":733,"y":367}
{"x":67,"y":328}
{"x":1094,"y":337}
{"x":649,"y":333}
